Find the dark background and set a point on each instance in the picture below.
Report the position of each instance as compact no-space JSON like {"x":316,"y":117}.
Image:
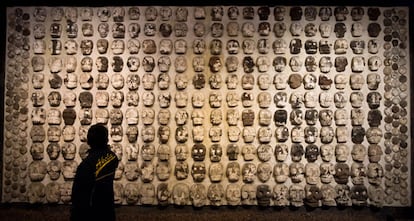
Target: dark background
{"x":22,"y":212}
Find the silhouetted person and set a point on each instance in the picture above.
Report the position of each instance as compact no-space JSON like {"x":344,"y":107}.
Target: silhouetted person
{"x":92,"y":190}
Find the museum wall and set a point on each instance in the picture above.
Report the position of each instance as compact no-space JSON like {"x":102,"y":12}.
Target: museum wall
{"x":255,"y":110}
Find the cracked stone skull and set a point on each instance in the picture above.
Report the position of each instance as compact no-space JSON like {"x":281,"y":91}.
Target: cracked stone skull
{"x":216,"y":152}
{"x":327,"y":172}
{"x":181,"y":170}
{"x":281,"y":152}
{"x":233,"y":194}
{"x":216,"y":172}
{"x":311,"y":152}
{"x":281,"y":195}
{"x":215,"y":194}
{"x":263,"y":194}
{"x":296,"y":171}
{"x":233,"y":171}
{"x":296,"y":195}
{"x":359,"y":195}
{"x":281,"y":172}
{"x":181,"y":134}
{"x":198,"y":195}
{"x":248,"y":195}
{"x":358,"y":173}
{"x":342,"y":172}
{"x":327,"y":134}
{"x":264,"y":172}
{"x":248,"y":152}
{"x":198,"y":171}
{"x":181,"y":152}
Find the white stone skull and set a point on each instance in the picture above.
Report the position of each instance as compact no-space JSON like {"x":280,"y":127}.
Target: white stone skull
{"x":312,"y":173}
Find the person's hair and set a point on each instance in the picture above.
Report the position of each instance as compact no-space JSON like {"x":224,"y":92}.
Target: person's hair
{"x":98,"y":136}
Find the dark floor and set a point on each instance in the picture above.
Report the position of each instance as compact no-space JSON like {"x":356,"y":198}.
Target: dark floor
{"x":171,"y":213}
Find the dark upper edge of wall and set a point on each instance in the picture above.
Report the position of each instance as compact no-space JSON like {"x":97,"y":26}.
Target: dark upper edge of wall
{"x":211,"y":2}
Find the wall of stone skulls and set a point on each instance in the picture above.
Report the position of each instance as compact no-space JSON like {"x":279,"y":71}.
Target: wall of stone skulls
{"x":215,"y":105}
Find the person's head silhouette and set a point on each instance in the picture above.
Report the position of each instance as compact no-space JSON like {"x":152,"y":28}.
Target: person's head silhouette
{"x":98,"y":136}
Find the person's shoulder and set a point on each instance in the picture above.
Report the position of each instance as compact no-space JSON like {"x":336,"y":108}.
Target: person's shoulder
{"x":111,"y":155}
{"x":109,"y":151}
{"x":111,"y":158}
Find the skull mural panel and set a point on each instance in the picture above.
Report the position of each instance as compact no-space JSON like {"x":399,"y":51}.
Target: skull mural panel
{"x":326,"y":125}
